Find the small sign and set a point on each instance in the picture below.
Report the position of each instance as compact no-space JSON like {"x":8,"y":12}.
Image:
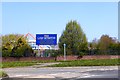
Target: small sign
{"x":46,"y":39}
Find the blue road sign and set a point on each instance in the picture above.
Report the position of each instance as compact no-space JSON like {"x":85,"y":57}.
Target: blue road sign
{"x":46,"y":39}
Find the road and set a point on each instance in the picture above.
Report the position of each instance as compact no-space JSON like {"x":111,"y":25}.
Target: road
{"x":63,"y":72}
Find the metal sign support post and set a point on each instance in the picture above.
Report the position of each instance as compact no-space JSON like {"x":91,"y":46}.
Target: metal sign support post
{"x":38,"y":51}
{"x":64,"y":52}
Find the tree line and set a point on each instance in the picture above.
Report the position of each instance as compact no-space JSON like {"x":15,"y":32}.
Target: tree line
{"x":16,"y":45}
{"x":106,"y":45}
{"x":77,"y":44}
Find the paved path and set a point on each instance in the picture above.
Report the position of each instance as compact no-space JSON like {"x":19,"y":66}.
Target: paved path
{"x":64,"y":72}
{"x":43,"y":64}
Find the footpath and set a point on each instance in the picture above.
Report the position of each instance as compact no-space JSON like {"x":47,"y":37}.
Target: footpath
{"x":38,"y":65}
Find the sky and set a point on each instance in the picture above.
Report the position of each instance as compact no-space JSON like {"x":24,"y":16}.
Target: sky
{"x":118,"y":21}
{"x":60,"y":0}
{"x":95,"y":18}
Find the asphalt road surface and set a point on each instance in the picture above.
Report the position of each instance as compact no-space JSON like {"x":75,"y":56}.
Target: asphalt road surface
{"x":63,"y":72}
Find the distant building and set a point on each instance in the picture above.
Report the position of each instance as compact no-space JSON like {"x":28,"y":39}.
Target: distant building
{"x":32,"y":43}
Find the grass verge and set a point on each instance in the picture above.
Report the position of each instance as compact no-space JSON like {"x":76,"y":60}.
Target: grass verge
{"x":22,"y":63}
{"x":3,"y":74}
{"x":100,"y":62}
{"x":97,"y":62}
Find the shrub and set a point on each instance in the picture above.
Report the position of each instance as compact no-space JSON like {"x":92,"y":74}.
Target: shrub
{"x":14,"y":45}
{"x":6,"y":53}
{"x":80,"y":55}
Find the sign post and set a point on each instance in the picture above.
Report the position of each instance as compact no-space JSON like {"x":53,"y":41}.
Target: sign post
{"x":38,"y":51}
{"x":46,"y":39}
{"x":64,"y":52}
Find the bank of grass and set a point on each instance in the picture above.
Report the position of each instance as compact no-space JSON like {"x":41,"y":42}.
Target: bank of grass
{"x":97,"y":62}
{"x":22,"y":63}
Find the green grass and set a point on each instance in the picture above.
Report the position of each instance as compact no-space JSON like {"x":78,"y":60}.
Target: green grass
{"x":102,"y":62}
{"x":17,"y":64}
{"x":3,"y":74}
{"x":22,"y":63}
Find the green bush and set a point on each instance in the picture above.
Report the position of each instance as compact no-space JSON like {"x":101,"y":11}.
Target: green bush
{"x":19,"y":52}
{"x":6,"y":53}
{"x":24,"y":50}
{"x":27,"y":51}
{"x":54,"y":53}
{"x":15,"y":46}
